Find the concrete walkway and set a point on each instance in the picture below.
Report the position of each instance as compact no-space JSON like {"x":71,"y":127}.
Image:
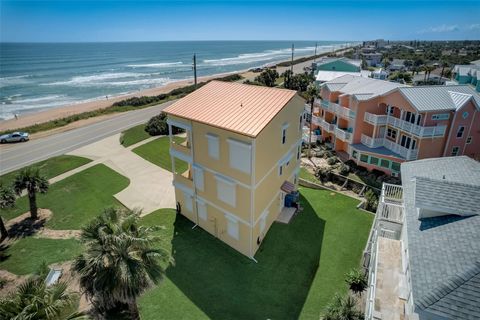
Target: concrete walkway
{"x":150,"y":186}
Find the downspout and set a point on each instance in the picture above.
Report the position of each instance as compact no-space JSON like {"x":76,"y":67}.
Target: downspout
{"x":193,"y":175}
{"x":252,"y":197}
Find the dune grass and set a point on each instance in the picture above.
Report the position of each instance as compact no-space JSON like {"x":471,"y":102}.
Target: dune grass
{"x":300,"y":266}
{"x":26,"y":255}
{"x":50,"y":168}
{"x":134,"y":135}
{"x":157,"y":152}
{"x":77,"y":199}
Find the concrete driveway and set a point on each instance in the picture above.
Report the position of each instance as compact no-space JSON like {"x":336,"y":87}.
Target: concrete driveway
{"x":150,"y":186}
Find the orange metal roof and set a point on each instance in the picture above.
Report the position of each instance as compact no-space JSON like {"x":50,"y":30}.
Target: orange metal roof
{"x":242,"y":108}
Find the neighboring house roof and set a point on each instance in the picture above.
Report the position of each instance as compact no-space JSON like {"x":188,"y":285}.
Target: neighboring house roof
{"x":476,"y":62}
{"x":432,"y":98}
{"x":241,"y":108}
{"x":356,"y":63}
{"x":324,"y":76}
{"x":444,"y":251}
{"x":362,"y":88}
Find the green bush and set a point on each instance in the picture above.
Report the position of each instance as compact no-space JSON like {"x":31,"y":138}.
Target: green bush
{"x":371,"y":200}
{"x":157,"y":125}
{"x":356,"y":280}
{"x":268,"y":77}
{"x":344,"y":169}
{"x":332,"y":160}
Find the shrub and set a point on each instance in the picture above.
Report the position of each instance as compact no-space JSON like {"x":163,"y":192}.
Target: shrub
{"x":356,"y":280}
{"x":325,"y":174}
{"x":268,"y":77}
{"x":332,"y":160}
{"x":3,"y":283}
{"x":344,"y":169}
{"x":371,"y":200}
{"x":157,"y":125}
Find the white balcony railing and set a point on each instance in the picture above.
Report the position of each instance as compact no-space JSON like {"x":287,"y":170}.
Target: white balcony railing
{"x":408,"y":154}
{"x":316,"y":120}
{"x":375,"y":119}
{"x":343,"y":135}
{"x":371,"y":142}
{"x":342,"y":111}
{"x":329,"y":127}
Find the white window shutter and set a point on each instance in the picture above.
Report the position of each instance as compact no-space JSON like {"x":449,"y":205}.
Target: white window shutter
{"x":202,"y":210}
{"x":198,"y":177}
{"x":213,"y":146}
{"x":240,"y":155}
{"x":232,"y":228}
{"x":226,"y":190}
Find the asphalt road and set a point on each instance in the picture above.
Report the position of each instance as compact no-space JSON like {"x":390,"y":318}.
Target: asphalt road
{"x":16,"y":156}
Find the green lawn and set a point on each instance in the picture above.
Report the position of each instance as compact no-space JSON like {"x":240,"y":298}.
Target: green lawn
{"x":51,"y":167}
{"x":25,"y":255}
{"x":134,"y":135}
{"x":157,"y":152}
{"x":78,"y":198}
{"x":300,"y":265}
{"x":306,"y":175}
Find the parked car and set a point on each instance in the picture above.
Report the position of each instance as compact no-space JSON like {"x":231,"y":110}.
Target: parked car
{"x":14,"y":137}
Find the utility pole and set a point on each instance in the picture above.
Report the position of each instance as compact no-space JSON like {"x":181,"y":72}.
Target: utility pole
{"x":291,"y":64}
{"x":195,"y":69}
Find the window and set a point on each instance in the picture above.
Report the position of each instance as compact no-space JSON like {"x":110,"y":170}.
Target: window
{"x":396,"y":166}
{"x":240,"y":155}
{"x":198,"y":177}
{"x":391,"y":133}
{"x":389,"y":110}
{"x":263,"y":221}
{"x":469,"y":140}
{"x":213,"y":146}
{"x":374,"y":160}
{"x":232,"y":227}
{"x":188,"y":202}
{"x":385,"y":163}
{"x":460,"y":131}
{"x":407,"y":141}
{"x":441,"y":116}
{"x":465,"y":115}
{"x":354,"y":154}
{"x":455,"y":151}
{"x":284,"y":133}
{"x":299,"y":150}
{"x":202,"y":210}
{"x":300,"y":123}
{"x":364,"y":158}
{"x":280,"y":169}
{"x":226,"y":190}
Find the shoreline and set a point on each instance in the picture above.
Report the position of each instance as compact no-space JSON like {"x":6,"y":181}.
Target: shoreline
{"x":33,"y":118}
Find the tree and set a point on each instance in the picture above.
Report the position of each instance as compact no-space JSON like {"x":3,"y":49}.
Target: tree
{"x":311,"y":93}
{"x":371,"y":200}
{"x":119,"y":262}
{"x":157,"y":125}
{"x":444,"y":65}
{"x":7,"y":200}
{"x":268,"y":77}
{"x":31,"y":180}
{"x":356,"y":280}
{"x":34,"y":300}
{"x":343,"y":308}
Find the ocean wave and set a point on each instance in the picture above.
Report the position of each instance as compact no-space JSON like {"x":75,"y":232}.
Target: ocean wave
{"x":155,"y":65}
{"x":151,"y":81}
{"x":80,"y":80}
{"x":13,"y":80}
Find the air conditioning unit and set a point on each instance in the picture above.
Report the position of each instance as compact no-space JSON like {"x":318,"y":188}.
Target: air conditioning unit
{"x":395,"y":174}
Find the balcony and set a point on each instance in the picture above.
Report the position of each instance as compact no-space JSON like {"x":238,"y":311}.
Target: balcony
{"x":420,"y":131}
{"x":408,"y":154}
{"x":316,"y":120}
{"x":329,"y":127}
{"x":184,"y":178}
{"x":343,"y":135}
{"x":342,"y":111}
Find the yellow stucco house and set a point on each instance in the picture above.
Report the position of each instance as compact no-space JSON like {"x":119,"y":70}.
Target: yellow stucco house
{"x":242,"y":148}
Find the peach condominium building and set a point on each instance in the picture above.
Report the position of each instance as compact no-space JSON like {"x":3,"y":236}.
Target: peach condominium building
{"x":380,"y":124}
{"x":241,"y":155}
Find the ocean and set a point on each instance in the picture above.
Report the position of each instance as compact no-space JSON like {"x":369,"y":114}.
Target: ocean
{"x":39,"y":76}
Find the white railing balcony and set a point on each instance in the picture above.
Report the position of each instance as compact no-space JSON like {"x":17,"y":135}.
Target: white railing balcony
{"x":343,"y":135}
{"x":375,"y":119}
{"x":316,"y":120}
{"x":307,"y":108}
{"x":392,"y":194}
{"x":408,"y":154}
{"x":329,"y":127}
{"x":371,"y":142}
{"x":342,"y":111}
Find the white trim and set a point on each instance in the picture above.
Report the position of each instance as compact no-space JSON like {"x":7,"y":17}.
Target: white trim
{"x":180,"y":155}
{"x":226,"y":191}
{"x":183,"y":188}
{"x":225,"y":179}
{"x":223,"y":210}
{"x":240,"y":143}
{"x":198,"y":177}
{"x":179,"y":124}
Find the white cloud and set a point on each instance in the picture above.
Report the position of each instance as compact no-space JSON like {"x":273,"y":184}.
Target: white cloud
{"x":473,"y":27}
{"x":441,"y":29}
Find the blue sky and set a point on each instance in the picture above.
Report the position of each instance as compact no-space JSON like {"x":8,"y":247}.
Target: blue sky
{"x":72,"y":21}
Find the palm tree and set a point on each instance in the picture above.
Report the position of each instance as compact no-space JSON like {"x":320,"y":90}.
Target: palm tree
{"x":311,"y":94}
{"x":119,"y":262}
{"x":7,"y":200}
{"x":343,"y":308}
{"x":34,"y":300}
{"x":356,"y":280}
{"x":30,"y":179}
{"x":444,"y":65}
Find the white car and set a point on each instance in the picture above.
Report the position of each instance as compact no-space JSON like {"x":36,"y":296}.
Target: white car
{"x":14,"y":137}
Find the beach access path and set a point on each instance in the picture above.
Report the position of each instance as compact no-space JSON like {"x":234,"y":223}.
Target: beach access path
{"x":15,"y":156}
